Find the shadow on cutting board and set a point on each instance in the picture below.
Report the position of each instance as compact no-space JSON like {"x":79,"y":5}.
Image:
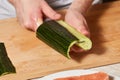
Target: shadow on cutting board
{"x":93,"y":19}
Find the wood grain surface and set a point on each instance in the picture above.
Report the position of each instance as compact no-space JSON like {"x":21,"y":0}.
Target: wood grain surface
{"x":33,"y":58}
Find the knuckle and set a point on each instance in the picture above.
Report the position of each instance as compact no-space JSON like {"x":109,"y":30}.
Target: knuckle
{"x":27,"y":25}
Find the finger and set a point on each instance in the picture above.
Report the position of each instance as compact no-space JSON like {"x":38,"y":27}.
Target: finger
{"x":38,"y":20}
{"x":29,"y":24}
{"x":49,"y":12}
{"x":76,"y":49}
{"x":83,"y":29}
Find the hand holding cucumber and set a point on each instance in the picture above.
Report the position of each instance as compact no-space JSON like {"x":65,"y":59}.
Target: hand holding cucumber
{"x":31,"y":14}
{"x":29,"y":11}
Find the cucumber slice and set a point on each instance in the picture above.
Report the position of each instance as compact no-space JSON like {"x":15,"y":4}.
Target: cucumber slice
{"x":6,"y":66}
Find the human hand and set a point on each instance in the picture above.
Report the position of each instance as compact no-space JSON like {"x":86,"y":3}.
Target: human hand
{"x":30,"y":12}
{"x":78,"y":21}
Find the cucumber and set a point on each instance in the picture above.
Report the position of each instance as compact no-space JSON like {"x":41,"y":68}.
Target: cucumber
{"x":6,"y":66}
{"x":61,"y":36}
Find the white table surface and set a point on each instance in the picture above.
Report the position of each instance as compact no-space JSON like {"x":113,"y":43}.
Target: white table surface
{"x":113,"y":69}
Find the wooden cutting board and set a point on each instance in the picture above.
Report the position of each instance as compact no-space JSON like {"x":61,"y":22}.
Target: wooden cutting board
{"x":33,"y":58}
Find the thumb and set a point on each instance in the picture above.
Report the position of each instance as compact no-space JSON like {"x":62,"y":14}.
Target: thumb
{"x":38,"y":20}
{"x":49,"y":12}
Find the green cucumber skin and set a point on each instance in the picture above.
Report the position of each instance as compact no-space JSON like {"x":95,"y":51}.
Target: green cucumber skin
{"x":6,"y":65}
{"x":55,"y":36}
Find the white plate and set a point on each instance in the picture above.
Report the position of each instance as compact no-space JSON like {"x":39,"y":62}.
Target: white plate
{"x":72,"y":73}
